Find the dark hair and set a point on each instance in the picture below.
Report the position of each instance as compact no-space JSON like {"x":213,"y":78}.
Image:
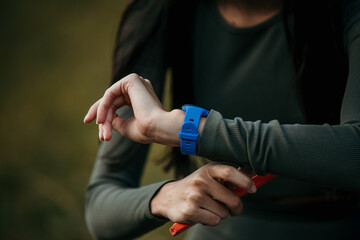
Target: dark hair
{"x":315,"y":39}
{"x":319,"y":59}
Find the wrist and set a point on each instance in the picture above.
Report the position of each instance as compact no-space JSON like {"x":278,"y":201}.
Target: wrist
{"x":192,"y":128}
{"x":159,"y":203}
{"x":167,"y":127}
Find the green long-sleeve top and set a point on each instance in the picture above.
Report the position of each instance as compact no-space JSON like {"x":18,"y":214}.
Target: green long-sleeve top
{"x":323,"y":155}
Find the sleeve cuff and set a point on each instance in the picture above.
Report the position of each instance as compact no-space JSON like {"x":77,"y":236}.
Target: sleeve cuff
{"x":208,"y":136}
{"x":155,"y":189}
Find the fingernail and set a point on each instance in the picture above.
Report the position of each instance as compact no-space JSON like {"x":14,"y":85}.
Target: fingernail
{"x":253,"y":189}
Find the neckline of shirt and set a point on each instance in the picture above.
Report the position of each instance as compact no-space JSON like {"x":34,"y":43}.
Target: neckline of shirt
{"x":253,"y":29}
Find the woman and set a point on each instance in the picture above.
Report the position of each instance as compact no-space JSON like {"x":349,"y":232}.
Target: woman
{"x":282,"y":62}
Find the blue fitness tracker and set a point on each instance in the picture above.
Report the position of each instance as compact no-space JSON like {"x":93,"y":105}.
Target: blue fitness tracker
{"x":189,"y":131}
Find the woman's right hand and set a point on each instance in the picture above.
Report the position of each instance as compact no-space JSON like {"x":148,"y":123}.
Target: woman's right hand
{"x":150,"y":123}
{"x":202,"y":197}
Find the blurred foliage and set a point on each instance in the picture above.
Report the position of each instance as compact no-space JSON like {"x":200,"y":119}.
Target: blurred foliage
{"x":55,"y":61}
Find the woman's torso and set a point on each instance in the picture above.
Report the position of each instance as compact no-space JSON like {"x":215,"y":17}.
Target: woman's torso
{"x":248,"y":73}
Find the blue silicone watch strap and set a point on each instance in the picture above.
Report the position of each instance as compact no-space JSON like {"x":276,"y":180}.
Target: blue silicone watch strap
{"x":189,"y":131}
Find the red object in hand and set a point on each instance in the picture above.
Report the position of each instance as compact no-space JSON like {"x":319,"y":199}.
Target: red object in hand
{"x":177,"y":228}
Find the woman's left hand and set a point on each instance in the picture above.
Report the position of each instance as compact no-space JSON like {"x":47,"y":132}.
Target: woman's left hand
{"x":150,"y":123}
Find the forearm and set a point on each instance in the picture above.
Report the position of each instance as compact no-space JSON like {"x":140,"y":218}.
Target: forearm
{"x":114,"y":212}
{"x":320,"y":154}
{"x":116,"y":207}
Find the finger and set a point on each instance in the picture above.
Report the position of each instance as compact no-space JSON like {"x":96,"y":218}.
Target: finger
{"x":107,"y":125}
{"x":91,"y":114}
{"x":101,"y":138}
{"x":231,"y":174}
{"x":107,"y":128}
{"x":224,"y":195}
{"x":215,"y":207}
{"x":117,"y":123}
{"x":236,"y":211}
{"x":106,"y":101}
{"x":200,"y":215}
{"x":231,"y":186}
{"x":119,"y":89}
{"x":129,"y":129}
{"x":145,"y":98}
{"x":131,"y":88}
{"x":104,"y":106}
{"x":207,"y":218}
{"x":122,"y":126}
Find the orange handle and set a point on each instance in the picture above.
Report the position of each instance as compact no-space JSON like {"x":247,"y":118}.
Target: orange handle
{"x":177,"y":228}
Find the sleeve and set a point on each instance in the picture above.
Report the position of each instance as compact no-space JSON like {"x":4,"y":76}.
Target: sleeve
{"x":323,"y":154}
{"x":116,"y":207}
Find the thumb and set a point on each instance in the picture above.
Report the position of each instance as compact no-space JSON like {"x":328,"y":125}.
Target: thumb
{"x":118,"y":124}
{"x":129,"y":129}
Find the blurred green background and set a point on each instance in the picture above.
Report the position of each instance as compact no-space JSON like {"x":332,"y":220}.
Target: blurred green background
{"x":55,"y":61}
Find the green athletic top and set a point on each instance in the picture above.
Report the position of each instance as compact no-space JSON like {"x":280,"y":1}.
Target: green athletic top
{"x":249,"y":72}
{"x":263,"y":84}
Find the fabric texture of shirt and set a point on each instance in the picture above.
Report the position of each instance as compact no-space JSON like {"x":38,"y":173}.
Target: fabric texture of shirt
{"x":260,"y":126}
